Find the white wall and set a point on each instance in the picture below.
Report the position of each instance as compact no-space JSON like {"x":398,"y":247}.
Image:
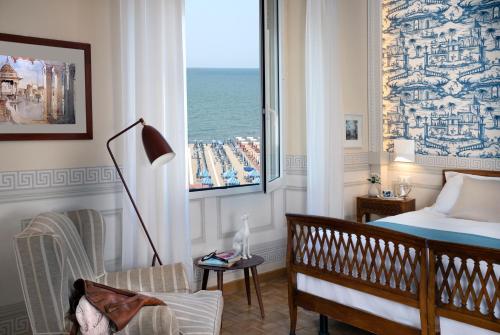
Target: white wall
{"x":354,"y":58}
{"x":71,"y":20}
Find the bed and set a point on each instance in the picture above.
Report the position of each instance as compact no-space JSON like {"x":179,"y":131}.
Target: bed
{"x":394,"y":282}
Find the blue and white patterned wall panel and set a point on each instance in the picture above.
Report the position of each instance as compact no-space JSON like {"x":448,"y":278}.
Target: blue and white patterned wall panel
{"x":442,"y":76}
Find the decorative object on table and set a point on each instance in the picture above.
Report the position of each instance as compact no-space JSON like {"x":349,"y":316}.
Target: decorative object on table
{"x":241,"y":244}
{"x":223,"y":259}
{"x":404,"y":151}
{"x":353,"y":131}
{"x":45,"y":89}
{"x":374,"y":180}
{"x":367,"y":205}
{"x":245,"y":264}
{"x":159,"y":152}
{"x":403,"y":187}
{"x":387,"y":194}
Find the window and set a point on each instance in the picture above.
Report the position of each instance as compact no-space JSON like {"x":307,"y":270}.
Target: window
{"x":232,"y":66}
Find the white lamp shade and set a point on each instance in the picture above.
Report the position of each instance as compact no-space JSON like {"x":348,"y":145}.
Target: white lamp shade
{"x":162,"y":160}
{"x":404,"y":151}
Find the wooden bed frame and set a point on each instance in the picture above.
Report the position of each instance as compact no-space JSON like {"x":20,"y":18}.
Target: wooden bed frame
{"x":424,"y":282}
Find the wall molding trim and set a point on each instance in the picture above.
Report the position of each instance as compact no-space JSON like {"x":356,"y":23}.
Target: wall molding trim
{"x":458,"y":162}
{"x":296,"y":165}
{"x":353,"y":161}
{"x":26,"y":185}
{"x":14,"y":319}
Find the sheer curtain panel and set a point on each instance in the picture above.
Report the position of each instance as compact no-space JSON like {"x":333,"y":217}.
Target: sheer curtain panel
{"x":152,"y":77}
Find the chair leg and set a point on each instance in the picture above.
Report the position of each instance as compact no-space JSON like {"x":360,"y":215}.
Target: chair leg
{"x":292,"y":309}
{"x":323,"y":324}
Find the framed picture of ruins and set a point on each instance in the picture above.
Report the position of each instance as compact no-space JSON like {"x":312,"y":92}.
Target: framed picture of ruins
{"x":45,"y":89}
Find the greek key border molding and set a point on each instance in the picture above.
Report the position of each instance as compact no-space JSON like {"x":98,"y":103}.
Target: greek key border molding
{"x":458,"y":162}
{"x":51,"y":178}
{"x":296,"y":165}
{"x":25,"y":185}
{"x":353,"y":161}
{"x":14,"y":319}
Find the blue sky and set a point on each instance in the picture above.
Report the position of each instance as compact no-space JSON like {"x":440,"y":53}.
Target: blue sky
{"x":222,"y":33}
{"x":31,"y":73}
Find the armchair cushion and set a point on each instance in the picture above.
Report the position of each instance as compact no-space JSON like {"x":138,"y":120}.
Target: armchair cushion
{"x":197,"y":313}
{"x":166,"y":278}
{"x":90,"y":225}
{"x":152,"y":320}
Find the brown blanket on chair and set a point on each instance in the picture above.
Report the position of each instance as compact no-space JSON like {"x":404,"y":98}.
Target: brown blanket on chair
{"x":118,"y":305}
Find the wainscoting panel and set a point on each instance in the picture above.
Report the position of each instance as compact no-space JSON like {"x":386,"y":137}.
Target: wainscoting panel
{"x":258,"y":206}
{"x":197,"y":220}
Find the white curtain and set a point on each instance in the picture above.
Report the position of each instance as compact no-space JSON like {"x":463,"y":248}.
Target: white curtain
{"x":152,"y":77}
{"x":324,"y":115}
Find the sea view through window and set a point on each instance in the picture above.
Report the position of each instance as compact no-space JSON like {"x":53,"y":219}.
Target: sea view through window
{"x":224,"y":93}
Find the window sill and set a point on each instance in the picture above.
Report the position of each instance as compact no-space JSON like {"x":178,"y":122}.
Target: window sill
{"x":224,"y":192}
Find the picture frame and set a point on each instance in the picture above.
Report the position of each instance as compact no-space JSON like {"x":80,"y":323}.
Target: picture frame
{"x":353,"y":131}
{"x":45,"y":89}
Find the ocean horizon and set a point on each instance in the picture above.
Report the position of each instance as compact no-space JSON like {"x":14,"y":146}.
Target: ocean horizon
{"x":223,"y":103}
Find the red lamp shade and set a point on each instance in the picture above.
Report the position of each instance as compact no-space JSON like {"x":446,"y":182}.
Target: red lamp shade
{"x":157,"y":148}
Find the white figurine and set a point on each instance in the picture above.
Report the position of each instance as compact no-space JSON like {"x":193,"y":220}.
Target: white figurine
{"x":240,"y":241}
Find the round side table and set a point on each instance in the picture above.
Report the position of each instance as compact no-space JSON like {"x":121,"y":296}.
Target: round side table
{"x":244,"y":264}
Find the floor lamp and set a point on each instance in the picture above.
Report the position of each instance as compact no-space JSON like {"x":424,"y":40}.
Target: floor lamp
{"x":159,"y":153}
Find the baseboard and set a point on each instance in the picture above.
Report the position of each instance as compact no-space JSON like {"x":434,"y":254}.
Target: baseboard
{"x":239,"y":284}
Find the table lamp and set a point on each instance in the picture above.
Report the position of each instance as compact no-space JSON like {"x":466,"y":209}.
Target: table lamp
{"x":159,"y":153}
{"x":404,"y":151}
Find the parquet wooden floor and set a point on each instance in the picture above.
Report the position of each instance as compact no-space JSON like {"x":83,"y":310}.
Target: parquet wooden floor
{"x":241,"y":319}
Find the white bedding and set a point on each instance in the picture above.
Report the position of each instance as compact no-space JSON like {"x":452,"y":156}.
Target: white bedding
{"x":426,"y":218}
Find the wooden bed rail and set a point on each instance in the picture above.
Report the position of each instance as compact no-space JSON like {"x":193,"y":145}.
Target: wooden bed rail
{"x":464,"y":285}
{"x":370,"y":259}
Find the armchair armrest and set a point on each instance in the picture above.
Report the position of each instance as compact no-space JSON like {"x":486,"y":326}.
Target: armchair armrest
{"x":153,"y":320}
{"x":166,"y":278}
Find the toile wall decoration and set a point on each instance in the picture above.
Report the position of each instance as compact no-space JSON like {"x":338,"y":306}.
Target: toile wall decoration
{"x":441,"y":76}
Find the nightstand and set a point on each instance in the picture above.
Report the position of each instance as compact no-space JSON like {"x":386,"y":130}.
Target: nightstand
{"x":366,"y":205}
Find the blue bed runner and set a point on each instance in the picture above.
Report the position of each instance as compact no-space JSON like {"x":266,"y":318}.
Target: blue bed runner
{"x":441,"y":235}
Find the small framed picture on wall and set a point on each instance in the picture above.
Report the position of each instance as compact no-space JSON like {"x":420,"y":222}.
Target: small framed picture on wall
{"x":45,"y":89}
{"x":353,"y":131}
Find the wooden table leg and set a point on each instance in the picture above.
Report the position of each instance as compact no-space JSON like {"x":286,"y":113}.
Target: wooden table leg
{"x":205,"y":279}
{"x":255,"y":277}
{"x":220,"y":280}
{"x":247,"y":285}
{"x":359,"y":215}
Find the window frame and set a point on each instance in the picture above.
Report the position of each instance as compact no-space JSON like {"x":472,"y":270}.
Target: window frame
{"x":265,"y":185}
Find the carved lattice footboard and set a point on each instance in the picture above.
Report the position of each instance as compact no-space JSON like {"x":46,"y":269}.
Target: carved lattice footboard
{"x":464,"y":285}
{"x":374,"y":260}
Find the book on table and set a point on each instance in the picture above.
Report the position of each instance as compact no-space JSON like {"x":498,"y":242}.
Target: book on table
{"x":222,"y":259}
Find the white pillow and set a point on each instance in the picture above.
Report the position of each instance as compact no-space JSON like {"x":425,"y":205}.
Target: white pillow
{"x":451,"y":190}
{"x":449,"y":193}
{"x":478,"y":200}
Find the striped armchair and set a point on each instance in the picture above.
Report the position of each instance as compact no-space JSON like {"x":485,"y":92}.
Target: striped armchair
{"x":56,"y":249}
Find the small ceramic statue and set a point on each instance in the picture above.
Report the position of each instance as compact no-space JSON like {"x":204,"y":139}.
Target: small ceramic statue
{"x":240,"y":241}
